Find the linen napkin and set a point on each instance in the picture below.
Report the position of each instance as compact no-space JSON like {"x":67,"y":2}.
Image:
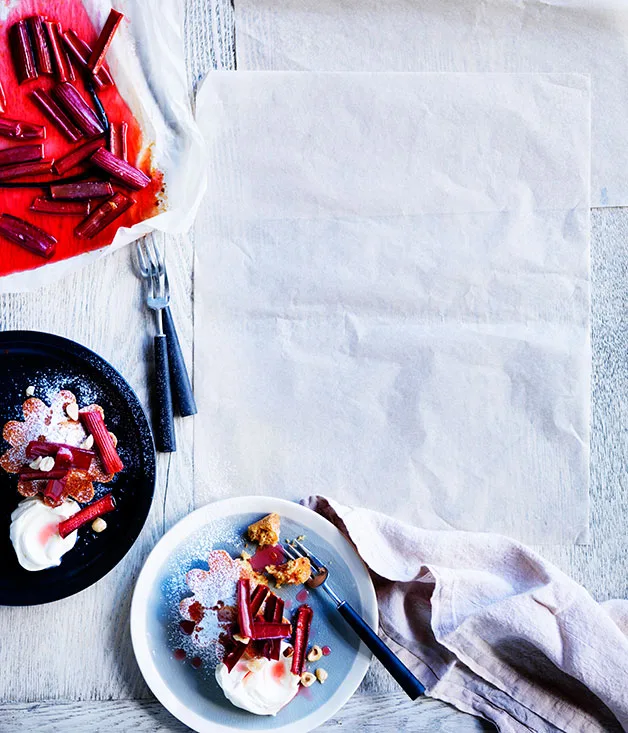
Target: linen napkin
{"x":449,"y":35}
{"x":392,"y":289}
{"x":490,"y":627}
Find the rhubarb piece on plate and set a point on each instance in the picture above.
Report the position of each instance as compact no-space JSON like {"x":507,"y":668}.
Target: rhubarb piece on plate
{"x":62,"y":66}
{"x":3,"y":100}
{"x":78,"y":110}
{"x":21,"y":154}
{"x":266,"y":530}
{"x":301,"y":637}
{"x":66,"y":456}
{"x":81,"y":52}
{"x":97,"y":59}
{"x":257,"y":598}
{"x":266,"y":630}
{"x":54,"y":112}
{"x":103,"y":506}
{"x":64,"y":208}
{"x":55,"y":473}
{"x":55,"y":491}
{"x":124,"y":132}
{"x":81,"y":190}
{"x":27,"y":235}
{"x":103,"y":216}
{"x":77,"y":156}
{"x":245,"y":617}
{"x":293,"y":572}
{"x":22,"y":52}
{"x":121,"y":169}
{"x":40,"y":44}
{"x":19,"y":170}
{"x":95,"y":425}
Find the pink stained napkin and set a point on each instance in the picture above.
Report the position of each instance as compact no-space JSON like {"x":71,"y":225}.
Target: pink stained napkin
{"x":491,"y":627}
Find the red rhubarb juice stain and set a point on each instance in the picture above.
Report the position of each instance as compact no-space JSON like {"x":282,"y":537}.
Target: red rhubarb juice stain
{"x":271,"y":555}
{"x":46,"y":533}
{"x":326,"y":651}
{"x":72,"y":15}
{"x":277,"y":671}
{"x":179,"y":654}
{"x":196,"y":662}
{"x":302,"y":595}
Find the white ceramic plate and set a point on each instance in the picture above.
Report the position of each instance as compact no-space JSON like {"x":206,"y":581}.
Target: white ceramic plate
{"x":192,"y":695}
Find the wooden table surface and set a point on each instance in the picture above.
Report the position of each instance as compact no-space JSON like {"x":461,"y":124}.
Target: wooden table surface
{"x":69,"y":665}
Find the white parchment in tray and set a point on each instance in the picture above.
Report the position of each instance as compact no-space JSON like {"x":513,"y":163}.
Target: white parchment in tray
{"x":393,"y":298}
{"x":147,"y":62}
{"x":583,"y":36}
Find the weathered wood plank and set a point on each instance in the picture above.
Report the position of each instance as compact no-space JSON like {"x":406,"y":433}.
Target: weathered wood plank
{"x":362,"y":714}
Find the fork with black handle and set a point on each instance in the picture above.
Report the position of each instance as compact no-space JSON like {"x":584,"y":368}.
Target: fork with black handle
{"x":410,"y":684}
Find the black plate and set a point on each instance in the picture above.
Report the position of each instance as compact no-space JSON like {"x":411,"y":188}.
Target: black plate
{"x":51,"y":363}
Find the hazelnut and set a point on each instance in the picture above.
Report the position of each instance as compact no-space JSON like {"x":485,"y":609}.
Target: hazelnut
{"x":47,"y":464}
{"x":288,"y":651}
{"x":307,"y":679}
{"x":241,"y":639}
{"x":245,"y":555}
{"x":30,"y":391}
{"x":88,"y":442}
{"x":99,"y":525}
{"x":36,"y":463}
{"x":114,"y":438}
{"x":72,"y":411}
{"x":321,"y":675}
{"x":300,"y":538}
{"x":314,"y":654}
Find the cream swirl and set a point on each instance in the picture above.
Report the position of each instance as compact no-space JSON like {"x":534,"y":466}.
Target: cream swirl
{"x":35,"y":536}
{"x":261,"y":686}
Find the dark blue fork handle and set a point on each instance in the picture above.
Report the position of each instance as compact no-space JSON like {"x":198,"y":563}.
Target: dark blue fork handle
{"x":163,"y":423}
{"x":181,"y":386}
{"x":411,"y":686}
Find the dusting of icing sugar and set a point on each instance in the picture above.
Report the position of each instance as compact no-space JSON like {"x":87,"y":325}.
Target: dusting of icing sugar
{"x":188,"y":581}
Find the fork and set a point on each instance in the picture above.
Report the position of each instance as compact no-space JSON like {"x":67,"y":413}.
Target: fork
{"x":157,"y":298}
{"x":181,"y":385}
{"x":410,"y":684}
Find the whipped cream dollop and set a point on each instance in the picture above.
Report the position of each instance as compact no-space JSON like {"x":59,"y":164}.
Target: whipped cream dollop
{"x":261,"y":686}
{"x":34,"y":533}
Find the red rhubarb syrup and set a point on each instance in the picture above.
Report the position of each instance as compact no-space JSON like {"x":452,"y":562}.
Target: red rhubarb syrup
{"x":46,"y":533}
{"x":71,"y":14}
{"x":302,"y":595}
{"x":270,"y":555}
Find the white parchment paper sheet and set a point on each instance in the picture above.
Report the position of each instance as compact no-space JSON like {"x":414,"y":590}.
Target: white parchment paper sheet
{"x":392,"y":295}
{"x":147,"y":61}
{"x":584,"y":36}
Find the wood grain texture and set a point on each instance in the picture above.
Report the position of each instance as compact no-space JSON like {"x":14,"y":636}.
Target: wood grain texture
{"x":374,"y":714}
{"x":101,"y":306}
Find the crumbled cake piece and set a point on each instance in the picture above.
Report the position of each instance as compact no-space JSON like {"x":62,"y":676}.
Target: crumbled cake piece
{"x":266,"y":531}
{"x":293,"y":572}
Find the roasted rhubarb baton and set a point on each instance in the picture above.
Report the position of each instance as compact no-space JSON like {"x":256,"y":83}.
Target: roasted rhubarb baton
{"x":27,"y":235}
{"x":95,"y":425}
{"x":301,"y":636}
{"x":88,"y":514}
{"x":103,"y":216}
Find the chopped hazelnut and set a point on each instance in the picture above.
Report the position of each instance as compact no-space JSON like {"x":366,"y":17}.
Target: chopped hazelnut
{"x":99,"y":525}
{"x":72,"y":411}
{"x":47,"y":464}
{"x":307,"y":679}
{"x":288,"y":651}
{"x":321,"y":675}
{"x":88,"y":442}
{"x":314,"y":654}
{"x":36,"y":463}
{"x":241,"y":639}
{"x":30,"y":391}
